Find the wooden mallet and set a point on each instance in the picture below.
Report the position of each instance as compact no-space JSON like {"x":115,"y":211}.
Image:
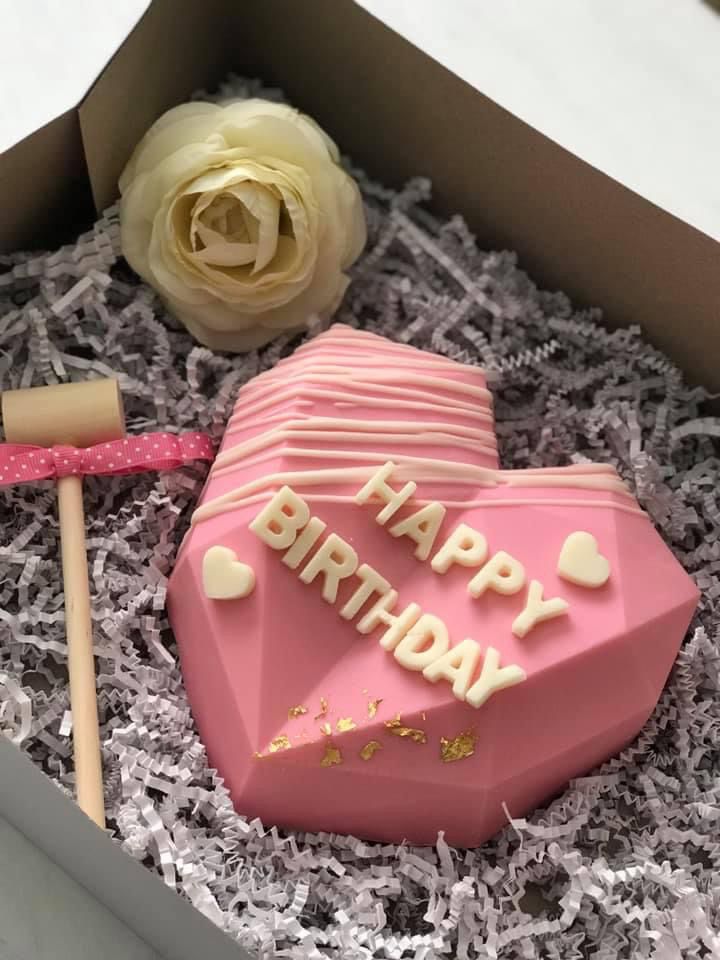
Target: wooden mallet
{"x":76,"y":415}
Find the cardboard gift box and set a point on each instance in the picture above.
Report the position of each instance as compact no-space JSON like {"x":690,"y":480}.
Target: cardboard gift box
{"x":398,"y":113}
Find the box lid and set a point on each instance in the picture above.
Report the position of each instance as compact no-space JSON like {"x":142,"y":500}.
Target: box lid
{"x":81,"y":866}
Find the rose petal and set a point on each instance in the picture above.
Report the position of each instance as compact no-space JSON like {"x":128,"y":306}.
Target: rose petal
{"x":265,"y":207}
{"x":353,"y":215}
{"x":228,"y":249}
{"x":270,"y":136}
{"x":169,"y":134}
{"x":239,"y":112}
{"x":172,"y":173}
{"x":224,"y":254}
{"x":237,"y":341}
{"x":136,"y":229}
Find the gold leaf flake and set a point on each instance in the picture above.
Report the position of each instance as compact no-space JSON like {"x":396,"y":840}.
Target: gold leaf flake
{"x":279,"y":743}
{"x":373,"y":707}
{"x":459,"y":747}
{"x":258,"y":756}
{"x":398,"y":729}
{"x":295,"y":712}
{"x":323,"y":709}
{"x":326,"y":729}
{"x":332,"y":756}
{"x":370,"y":749}
{"x":344,"y":724}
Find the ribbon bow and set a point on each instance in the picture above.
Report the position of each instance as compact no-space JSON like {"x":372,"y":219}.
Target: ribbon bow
{"x":23,"y":463}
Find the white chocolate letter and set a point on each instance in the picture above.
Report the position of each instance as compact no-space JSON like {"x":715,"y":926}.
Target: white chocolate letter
{"x":378,"y":613}
{"x":424,"y":642}
{"x":371,"y":583}
{"x":398,"y":626}
{"x":377,"y":486}
{"x":492,"y":679}
{"x":457,"y":665}
{"x":279,"y":520}
{"x":536,"y":610}
{"x":337,"y":560}
{"x":502,"y":573}
{"x":464,"y":546}
{"x":422,"y":527}
{"x":304,"y":543}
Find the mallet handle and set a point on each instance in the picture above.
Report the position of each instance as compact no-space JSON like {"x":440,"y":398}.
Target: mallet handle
{"x":81,"y":661}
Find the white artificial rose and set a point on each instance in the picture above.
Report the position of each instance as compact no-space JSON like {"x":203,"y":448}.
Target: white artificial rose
{"x":241,"y":217}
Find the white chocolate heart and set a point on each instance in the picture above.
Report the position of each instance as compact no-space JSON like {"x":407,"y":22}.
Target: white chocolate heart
{"x":224,"y":576}
{"x":581,"y":562}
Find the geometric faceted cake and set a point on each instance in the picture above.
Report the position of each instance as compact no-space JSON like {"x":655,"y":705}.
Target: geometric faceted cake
{"x":381,"y":632}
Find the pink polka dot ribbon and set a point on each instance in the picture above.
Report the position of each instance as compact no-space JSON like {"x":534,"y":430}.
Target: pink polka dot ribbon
{"x":23,"y":463}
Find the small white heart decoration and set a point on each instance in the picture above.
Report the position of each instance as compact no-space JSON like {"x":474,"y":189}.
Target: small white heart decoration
{"x":224,"y":576}
{"x":581,"y":562}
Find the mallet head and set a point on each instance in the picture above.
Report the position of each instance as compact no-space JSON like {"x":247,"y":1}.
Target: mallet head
{"x":78,"y":414}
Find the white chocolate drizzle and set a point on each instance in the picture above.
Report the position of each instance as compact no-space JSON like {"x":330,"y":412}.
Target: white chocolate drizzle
{"x":303,"y":411}
{"x":603,"y":480}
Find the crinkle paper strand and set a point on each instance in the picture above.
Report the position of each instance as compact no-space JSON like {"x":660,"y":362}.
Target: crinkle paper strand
{"x":626,"y":863}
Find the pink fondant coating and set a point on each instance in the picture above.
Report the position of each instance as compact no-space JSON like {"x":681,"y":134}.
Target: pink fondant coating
{"x":593,"y":675}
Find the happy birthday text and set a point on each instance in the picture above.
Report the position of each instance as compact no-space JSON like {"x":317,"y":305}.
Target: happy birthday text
{"x":419,"y":641}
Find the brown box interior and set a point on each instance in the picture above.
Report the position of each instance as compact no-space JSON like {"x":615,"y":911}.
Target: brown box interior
{"x":399,"y":114}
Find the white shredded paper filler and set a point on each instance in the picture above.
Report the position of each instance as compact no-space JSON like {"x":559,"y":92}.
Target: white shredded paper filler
{"x":624,"y":864}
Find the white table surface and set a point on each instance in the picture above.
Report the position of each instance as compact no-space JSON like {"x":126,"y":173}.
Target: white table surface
{"x":52,"y":52}
{"x":631,"y":87}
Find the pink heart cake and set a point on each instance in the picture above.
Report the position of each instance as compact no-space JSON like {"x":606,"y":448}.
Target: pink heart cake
{"x":384,"y":634}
